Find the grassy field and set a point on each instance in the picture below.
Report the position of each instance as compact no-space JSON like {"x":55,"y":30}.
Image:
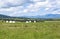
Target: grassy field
{"x":39,"y":30}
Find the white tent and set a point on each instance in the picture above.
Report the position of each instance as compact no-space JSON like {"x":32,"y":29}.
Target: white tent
{"x":13,"y":21}
{"x":27,"y":21}
{"x":34,"y":21}
{"x":7,"y":21}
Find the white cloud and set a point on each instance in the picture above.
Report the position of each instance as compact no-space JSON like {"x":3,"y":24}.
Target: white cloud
{"x":47,"y":9}
{"x":15,"y":7}
{"x":38,"y":0}
{"x":10,"y":3}
{"x":36,"y":6}
{"x":48,"y":5}
{"x":25,"y":10}
{"x":35,"y":0}
{"x":12,"y":11}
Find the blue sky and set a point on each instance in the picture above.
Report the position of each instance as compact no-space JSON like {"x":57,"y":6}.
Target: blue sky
{"x":29,"y":7}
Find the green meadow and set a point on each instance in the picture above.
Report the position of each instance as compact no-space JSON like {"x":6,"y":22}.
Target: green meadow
{"x":22,"y":30}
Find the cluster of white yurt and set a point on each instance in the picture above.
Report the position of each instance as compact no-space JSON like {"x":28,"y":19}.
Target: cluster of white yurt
{"x":30,"y":21}
{"x":10,"y":21}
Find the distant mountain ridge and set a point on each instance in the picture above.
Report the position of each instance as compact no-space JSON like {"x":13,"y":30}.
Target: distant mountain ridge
{"x":45,"y":16}
{"x":38,"y":16}
{"x":52,"y":16}
{"x":4,"y":16}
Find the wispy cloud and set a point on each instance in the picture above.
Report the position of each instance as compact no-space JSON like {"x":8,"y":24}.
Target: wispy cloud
{"x":11,"y":3}
{"x":25,"y":7}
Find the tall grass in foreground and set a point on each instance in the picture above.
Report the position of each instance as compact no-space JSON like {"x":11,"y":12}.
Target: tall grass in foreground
{"x":39,"y":30}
